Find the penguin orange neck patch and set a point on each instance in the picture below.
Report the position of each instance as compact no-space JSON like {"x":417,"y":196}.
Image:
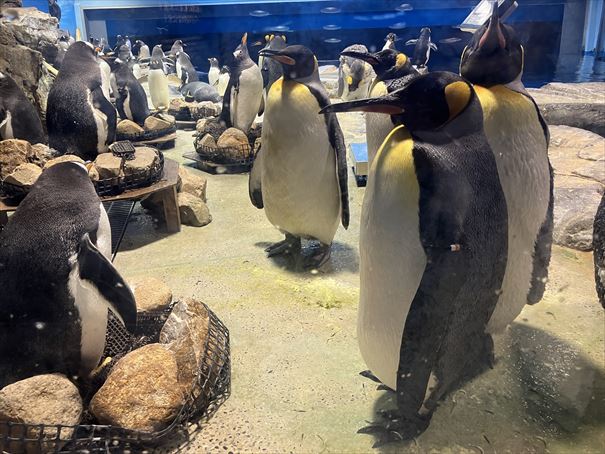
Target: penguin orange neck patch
{"x":400,"y":61}
{"x":457,"y":95}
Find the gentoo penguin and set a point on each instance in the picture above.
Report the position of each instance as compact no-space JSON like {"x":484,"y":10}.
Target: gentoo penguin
{"x":79,"y":118}
{"x":124,"y":53}
{"x":390,"y":41}
{"x":158,"y":82}
{"x":433,"y":241}
{"x":62,"y":46}
{"x":127,"y":42}
{"x":57,"y":279}
{"x":177,"y":46}
{"x":200,"y":91}
{"x":598,"y":241}
{"x":18,"y":117}
{"x":422,"y":49}
{"x":213,"y":72}
{"x":301,"y":176}
{"x":223,"y":80}
{"x":518,"y":136}
{"x":271,"y":70}
{"x":144,"y":54}
{"x":354,"y":76}
{"x":131,"y":99}
{"x":120,"y":41}
{"x":393,"y":71}
{"x":184,"y":69}
{"x":244,"y":92}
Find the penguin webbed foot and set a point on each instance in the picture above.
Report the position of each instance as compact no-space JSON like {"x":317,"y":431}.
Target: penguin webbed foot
{"x":319,"y":257}
{"x":291,"y":245}
{"x":370,"y":375}
{"x":396,"y":428}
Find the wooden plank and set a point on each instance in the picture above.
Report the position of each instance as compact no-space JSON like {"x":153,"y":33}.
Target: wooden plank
{"x":172,"y":214}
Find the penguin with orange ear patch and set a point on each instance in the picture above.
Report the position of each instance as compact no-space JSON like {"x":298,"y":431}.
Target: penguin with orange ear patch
{"x":433,"y":243}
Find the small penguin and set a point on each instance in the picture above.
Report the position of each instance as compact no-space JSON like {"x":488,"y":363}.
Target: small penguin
{"x":131,"y":99}
{"x":120,"y":41}
{"x":79,"y":118}
{"x":433,"y":242}
{"x":127,"y":42}
{"x":244,"y":93}
{"x":354,"y":76}
{"x":144,"y":54}
{"x":422,"y":49}
{"x":184,"y":69}
{"x":598,"y":241}
{"x":223,"y":80}
{"x":518,"y":136}
{"x":54,"y":9}
{"x":125,"y":54}
{"x":18,"y":117}
{"x":158,"y":82}
{"x":393,"y":71}
{"x":213,"y":72}
{"x":300,"y":176}
{"x":200,"y":91}
{"x":62,"y":46}
{"x":177,"y":46}
{"x":57,"y":279}
{"x":390,"y":41}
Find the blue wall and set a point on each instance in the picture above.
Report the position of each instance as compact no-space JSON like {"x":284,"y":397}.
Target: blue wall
{"x":68,"y":15}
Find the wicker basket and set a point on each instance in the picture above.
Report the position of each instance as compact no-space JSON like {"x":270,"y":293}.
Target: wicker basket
{"x":212,"y":389}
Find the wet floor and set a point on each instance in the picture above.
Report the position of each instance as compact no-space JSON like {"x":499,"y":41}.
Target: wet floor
{"x":295,"y":362}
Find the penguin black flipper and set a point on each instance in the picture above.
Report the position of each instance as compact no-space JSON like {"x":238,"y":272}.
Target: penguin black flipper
{"x":341,"y":85}
{"x":254,"y":183}
{"x":225,"y":116}
{"x":338,"y":143}
{"x":97,"y":269}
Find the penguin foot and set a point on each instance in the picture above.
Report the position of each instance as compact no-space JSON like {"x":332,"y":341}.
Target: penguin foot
{"x":383,"y":387}
{"x":370,"y":375}
{"x":319,"y":257}
{"x":397,"y":428}
{"x":289,"y":246}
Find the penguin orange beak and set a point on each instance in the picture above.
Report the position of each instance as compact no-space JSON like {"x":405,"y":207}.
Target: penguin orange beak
{"x":493,"y":37}
{"x":276,"y":55}
{"x":367,"y":57}
{"x":387,"y":104}
{"x":245,"y":39}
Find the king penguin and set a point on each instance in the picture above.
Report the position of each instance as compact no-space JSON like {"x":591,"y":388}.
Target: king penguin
{"x":422,"y":49}
{"x":354,"y":76}
{"x":393,"y":71}
{"x":18,"y":117}
{"x":213,"y":72}
{"x":244,"y":93}
{"x":185,"y":70}
{"x":158,"y":82}
{"x":57,"y":280}
{"x":433,"y":241}
{"x":131,"y":99}
{"x":518,"y":135}
{"x":271,"y":69}
{"x":79,"y":118}
{"x":300,"y":176}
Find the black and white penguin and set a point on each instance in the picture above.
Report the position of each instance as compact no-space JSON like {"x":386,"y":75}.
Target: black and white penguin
{"x":54,"y":9}
{"x":422,"y":49}
{"x":120,"y":41}
{"x":244,"y":93}
{"x":300,"y":176}
{"x":127,"y":42}
{"x":18,"y":117}
{"x":598,"y":242}
{"x":157,"y":80}
{"x":393,"y":71}
{"x":131,"y":99}
{"x":354,"y":76}
{"x":389,"y":41}
{"x":433,"y":242}
{"x":213,"y":72}
{"x":271,"y":70}
{"x":79,"y":118}
{"x":144,"y":55}
{"x":57,"y":279}
{"x":200,"y":91}
{"x":177,"y":46}
{"x":223,"y":80}
{"x":185,"y":70}
{"x":518,"y":136}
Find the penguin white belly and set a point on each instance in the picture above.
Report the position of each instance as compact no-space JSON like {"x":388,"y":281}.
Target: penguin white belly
{"x":378,"y":126}
{"x":136,"y":71}
{"x":213,"y":75}
{"x":245,"y":103}
{"x":179,"y":70}
{"x":113,"y":83}
{"x":6,"y":127}
{"x":392,"y":259}
{"x":105,"y":78}
{"x":102,"y":125}
{"x":299,"y":178}
{"x":223,"y":81}
{"x":517,"y":139}
{"x":127,"y":109}
{"x":158,"y":89}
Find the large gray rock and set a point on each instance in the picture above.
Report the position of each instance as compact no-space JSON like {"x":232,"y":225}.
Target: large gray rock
{"x":35,"y":29}
{"x":575,"y":210}
{"x":44,"y":399}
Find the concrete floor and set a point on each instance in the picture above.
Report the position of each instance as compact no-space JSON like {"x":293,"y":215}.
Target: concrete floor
{"x":295,"y":361}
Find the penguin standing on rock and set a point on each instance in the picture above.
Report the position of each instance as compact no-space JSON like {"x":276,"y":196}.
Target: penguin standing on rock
{"x":422,"y":49}
{"x":18,"y":117}
{"x":185,"y":70}
{"x":354,"y":76}
{"x":432,"y":246}
{"x":390,"y":41}
{"x":518,"y":136}
{"x":393,"y":71}
{"x":213,"y":72}
{"x":244,"y":93}
{"x":157,"y":80}
{"x":131,"y":99}
{"x":57,"y":279}
{"x":300,"y":176}
{"x":79,"y":118}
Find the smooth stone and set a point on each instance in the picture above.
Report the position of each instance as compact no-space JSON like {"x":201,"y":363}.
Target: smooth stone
{"x":25,"y":175}
{"x":63,"y":158}
{"x":13,"y":153}
{"x":151,"y":294}
{"x":193,"y":210}
{"x":192,"y":184}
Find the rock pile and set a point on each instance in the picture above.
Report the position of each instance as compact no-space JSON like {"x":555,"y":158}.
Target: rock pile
{"x":159,"y":122}
{"x":15,"y":153}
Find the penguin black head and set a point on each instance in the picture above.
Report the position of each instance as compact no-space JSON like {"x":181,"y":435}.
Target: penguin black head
{"x":297,"y":61}
{"x":426,"y":103}
{"x":391,"y":37}
{"x":494,"y":55}
{"x":79,"y":51}
{"x":387,"y":64}
{"x":425,"y":31}
{"x":225,"y":70}
{"x":213,"y":61}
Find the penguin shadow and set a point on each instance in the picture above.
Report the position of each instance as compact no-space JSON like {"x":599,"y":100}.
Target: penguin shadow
{"x":143,"y":228}
{"x":343,"y":258}
{"x":541,"y":380}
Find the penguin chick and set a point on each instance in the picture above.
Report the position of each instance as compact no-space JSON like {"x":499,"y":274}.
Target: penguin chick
{"x":518,"y":136}
{"x":354,"y":76}
{"x":300,"y":176}
{"x":433,"y":244}
{"x":57,"y":280}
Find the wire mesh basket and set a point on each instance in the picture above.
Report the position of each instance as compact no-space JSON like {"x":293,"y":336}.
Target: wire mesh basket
{"x":193,"y":112}
{"x":146,"y":135}
{"x":238,"y":158}
{"x":124,"y":182}
{"x":212,"y":388}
